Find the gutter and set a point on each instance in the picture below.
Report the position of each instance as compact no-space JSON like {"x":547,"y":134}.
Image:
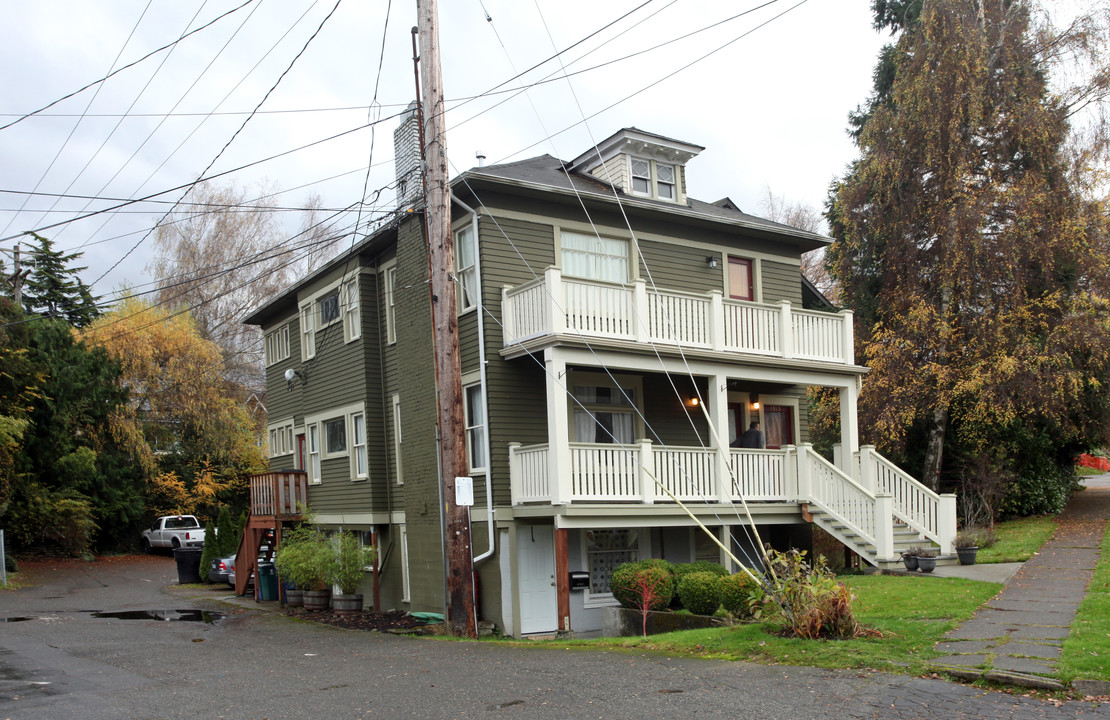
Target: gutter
{"x":482,"y":373}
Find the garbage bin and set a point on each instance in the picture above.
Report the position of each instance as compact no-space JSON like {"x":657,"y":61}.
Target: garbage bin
{"x":188,"y":564}
{"x":267,"y":581}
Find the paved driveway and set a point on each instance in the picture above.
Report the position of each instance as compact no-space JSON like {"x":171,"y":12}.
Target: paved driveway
{"x":65,"y":662}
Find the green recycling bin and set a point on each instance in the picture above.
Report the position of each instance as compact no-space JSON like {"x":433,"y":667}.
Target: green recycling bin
{"x":267,"y":581}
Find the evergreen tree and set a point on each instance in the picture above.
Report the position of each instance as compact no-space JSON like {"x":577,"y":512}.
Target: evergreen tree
{"x":968,"y":248}
{"x":54,"y":288}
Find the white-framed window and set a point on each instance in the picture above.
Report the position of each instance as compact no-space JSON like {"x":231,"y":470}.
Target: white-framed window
{"x":605,"y":550}
{"x":466,"y":273}
{"x":352,"y":322}
{"x":475,"y":411}
{"x":313,"y":439}
{"x":281,"y":438}
{"x":594,"y":257}
{"x":277,"y":345}
{"x":653,"y":179}
{"x":359,"y":459}
{"x":406,"y":584}
{"x":308,"y":332}
{"x":391,"y":304}
{"x":398,"y":438}
{"x":335,"y":437}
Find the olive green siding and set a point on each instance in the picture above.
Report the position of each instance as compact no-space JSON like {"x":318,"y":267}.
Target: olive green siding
{"x":670,"y":421}
{"x":676,"y":267}
{"x":516,"y":396}
{"x":781,"y":281}
{"x":282,"y":402}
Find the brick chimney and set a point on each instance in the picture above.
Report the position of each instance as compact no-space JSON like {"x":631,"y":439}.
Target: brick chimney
{"x":406,"y":158}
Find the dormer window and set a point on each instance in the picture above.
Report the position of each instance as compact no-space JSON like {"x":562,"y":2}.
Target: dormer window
{"x":652,"y":179}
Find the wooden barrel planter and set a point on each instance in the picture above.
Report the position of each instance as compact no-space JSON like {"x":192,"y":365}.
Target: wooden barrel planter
{"x":346,"y":604}
{"x":317,"y":599}
{"x":294,"y":597}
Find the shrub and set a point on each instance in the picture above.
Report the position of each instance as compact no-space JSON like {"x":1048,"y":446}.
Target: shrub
{"x":681,"y":570}
{"x":739,"y":594}
{"x":1043,"y":490}
{"x":10,"y":564}
{"x":975,"y":537}
{"x":226,"y":538}
{"x":807,"y":601}
{"x":352,"y":561}
{"x":210,"y":552}
{"x":630,"y":580}
{"x":700,"y":592}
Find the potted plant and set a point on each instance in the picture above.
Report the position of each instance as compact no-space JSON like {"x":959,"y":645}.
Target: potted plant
{"x":307,"y":558}
{"x":909,"y":557}
{"x":926,"y":559}
{"x":967,"y":545}
{"x":352,"y":559}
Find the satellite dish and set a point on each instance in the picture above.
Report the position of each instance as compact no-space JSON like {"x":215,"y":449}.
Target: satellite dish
{"x":290,"y":374}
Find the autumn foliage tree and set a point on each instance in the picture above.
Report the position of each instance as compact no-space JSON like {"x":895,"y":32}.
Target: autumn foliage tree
{"x":194,"y":442}
{"x":971,"y":247}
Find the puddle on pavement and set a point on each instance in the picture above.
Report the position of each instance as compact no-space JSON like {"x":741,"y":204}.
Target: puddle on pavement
{"x":15,"y":619}
{"x":201,"y":616}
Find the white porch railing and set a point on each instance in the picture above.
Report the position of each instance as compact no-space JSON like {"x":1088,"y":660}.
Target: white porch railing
{"x":554,"y":305}
{"x":923,"y":510}
{"x":862,"y":512}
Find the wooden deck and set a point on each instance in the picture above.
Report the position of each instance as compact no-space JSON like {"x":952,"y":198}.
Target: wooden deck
{"x":276,"y":498}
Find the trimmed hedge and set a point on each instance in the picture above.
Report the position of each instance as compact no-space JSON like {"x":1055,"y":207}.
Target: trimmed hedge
{"x":681,"y":570}
{"x":738,"y":593}
{"x":700,"y":592}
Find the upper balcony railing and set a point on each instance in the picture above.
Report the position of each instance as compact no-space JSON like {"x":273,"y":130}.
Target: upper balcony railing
{"x":553,"y":305}
{"x":279,"y":493}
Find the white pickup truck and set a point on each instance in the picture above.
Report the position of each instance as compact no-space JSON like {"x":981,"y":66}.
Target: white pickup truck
{"x":173,"y":531}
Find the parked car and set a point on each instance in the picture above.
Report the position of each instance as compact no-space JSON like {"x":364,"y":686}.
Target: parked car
{"x":220,"y":568}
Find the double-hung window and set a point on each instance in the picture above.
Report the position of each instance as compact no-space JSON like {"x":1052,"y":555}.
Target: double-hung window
{"x":335,"y":436}
{"x":475,"y":428}
{"x":359,"y":466}
{"x":391,"y":304}
{"x":277,"y":345}
{"x":328,"y":308}
{"x":604,"y":414}
{"x":313,"y":453}
{"x":653,"y":179}
{"x":308,"y":331}
{"x":466,"y":273}
{"x":352,"y":324}
{"x":595,"y":258}
{"x":281,"y":438}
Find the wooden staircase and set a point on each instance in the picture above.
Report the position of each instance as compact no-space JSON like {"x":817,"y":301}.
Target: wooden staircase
{"x":905,"y":537}
{"x":276,"y":497}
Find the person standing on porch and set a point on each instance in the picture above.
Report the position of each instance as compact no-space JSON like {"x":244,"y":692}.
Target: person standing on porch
{"x":751,"y":438}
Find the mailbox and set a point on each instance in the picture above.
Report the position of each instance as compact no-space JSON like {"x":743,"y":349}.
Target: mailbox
{"x":579,"y":580}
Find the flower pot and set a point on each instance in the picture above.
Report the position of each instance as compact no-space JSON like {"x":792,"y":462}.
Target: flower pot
{"x":316,"y":599}
{"x":926,"y":564}
{"x":910,"y":561}
{"x":346,"y":604}
{"x":967,"y":555}
{"x":294,"y":597}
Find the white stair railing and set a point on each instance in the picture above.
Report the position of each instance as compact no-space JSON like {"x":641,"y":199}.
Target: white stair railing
{"x":921,"y":509}
{"x":866,"y":514}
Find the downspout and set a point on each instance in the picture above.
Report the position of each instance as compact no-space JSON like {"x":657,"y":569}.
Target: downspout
{"x":482,"y":374}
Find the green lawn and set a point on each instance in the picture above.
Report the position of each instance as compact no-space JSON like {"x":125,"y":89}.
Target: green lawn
{"x":913,"y":613}
{"x":1018,"y":539}
{"x":1087,"y":650}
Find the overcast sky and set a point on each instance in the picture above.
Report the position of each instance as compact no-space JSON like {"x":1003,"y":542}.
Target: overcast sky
{"x":766,"y":93}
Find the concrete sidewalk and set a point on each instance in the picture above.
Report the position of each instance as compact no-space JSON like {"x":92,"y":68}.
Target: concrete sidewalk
{"x":1017,"y":636}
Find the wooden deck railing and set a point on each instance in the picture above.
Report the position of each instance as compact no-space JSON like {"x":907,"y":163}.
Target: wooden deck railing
{"x":279,"y":493}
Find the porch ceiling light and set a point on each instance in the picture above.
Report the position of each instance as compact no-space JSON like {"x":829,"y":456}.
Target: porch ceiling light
{"x":753,"y":398}
{"x":692,"y":402}
{"x":711,"y":262}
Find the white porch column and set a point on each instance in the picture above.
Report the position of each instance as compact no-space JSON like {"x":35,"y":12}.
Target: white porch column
{"x":946,"y":522}
{"x":805,"y":477}
{"x":647,"y":465}
{"x":867,"y":477}
{"x":786,"y":333}
{"x":718,"y":415}
{"x":884,"y":526}
{"x":556,"y":312}
{"x":849,"y":338}
{"x":558,"y":428}
{"x":849,"y":427}
{"x":716,"y":320}
{"x":641,"y":330}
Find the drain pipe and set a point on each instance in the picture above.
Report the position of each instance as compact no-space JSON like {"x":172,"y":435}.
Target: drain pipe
{"x":482,"y":373}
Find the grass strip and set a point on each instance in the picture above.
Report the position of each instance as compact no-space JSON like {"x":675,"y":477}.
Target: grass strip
{"x":912,"y":612}
{"x":1018,"y":539}
{"x":1086,"y":652}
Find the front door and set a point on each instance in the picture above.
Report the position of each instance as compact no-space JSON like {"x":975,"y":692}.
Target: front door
{"x":536,"y":562}
{"x":778,"y":426}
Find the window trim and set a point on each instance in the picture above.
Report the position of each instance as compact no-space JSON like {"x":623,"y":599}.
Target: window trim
{"x":738,"y":260}
{"x":628,"y":255}
{"x":344,"y":422}
{"x":308,"y":330}
{"x":591,"y":599}
{"x":356,"y":448}
{"x":311,"y":317}
{"x":314,"y":462}
{"x":282,"y":430}
{"x":472,"y":429}
{"x":398,"y":439}
{"x":319,"y":421}
{"x":350,"y":308}
{"x":615,"y":382}
{"x":389,"y":272}
{"x":652,"y":178}
{"x":277,"y":339}
{"x":470,"y":271}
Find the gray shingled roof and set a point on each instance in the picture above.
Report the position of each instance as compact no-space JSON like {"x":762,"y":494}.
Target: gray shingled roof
{"x":554,"y":173}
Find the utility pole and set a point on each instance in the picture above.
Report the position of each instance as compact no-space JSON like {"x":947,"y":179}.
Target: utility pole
{"x":441,"y":261}
{"x":17,"y":277}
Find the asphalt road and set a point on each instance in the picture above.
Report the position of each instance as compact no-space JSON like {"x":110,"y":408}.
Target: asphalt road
{"x":63,"y":661}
